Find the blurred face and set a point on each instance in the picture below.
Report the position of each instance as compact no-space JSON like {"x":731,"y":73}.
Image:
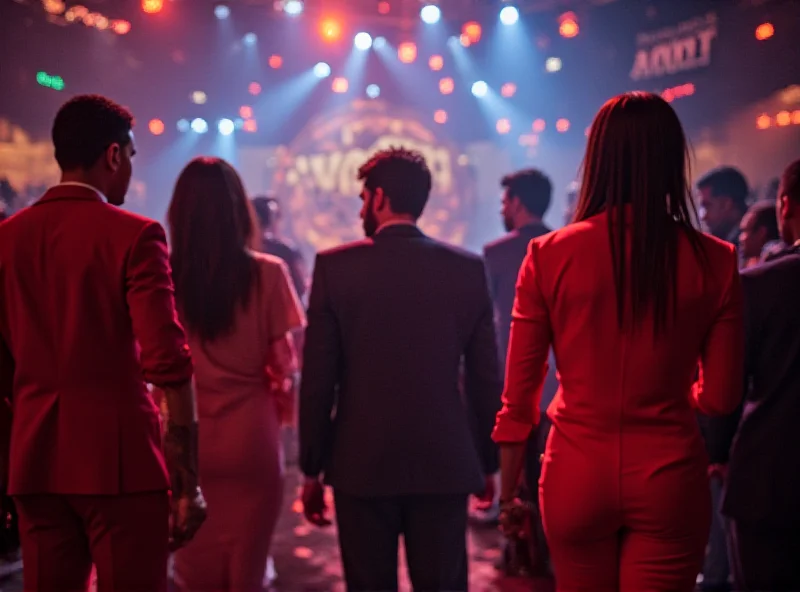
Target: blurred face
{"x":509,"y":206}
{"x":717,"y":213}
{"x":751,"y":237}
{"x":369,"y":210}
{"x":119,"y":163}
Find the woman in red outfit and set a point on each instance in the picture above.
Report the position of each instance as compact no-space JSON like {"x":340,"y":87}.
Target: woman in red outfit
{"x":630,"y":297}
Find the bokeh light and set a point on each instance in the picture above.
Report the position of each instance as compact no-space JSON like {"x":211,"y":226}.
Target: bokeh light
{"x":509,"y":15}
{"x":222,"y":11}
{"x":246,"y":111}
{"x":254,"y":88}
{"x":480,"y":88}
{"x":226,"y":126}
{"x":464,"y":40}
{"x":568,"y":25}
{"x":121,"y":27}
{"x":407,"y":52}
{"x":763,"y":121}
{"x":54,"y":6}
{"x":440,"y":116}
{"x":250,"y":39}
{"x":503,"y":126}
{"x":152,"y":6}
{"x":562,"y":125}
{"x":508,"y":89}
{"x":783,"y":118}
{"x":430,"y":14}
{"x":183,"y":125}
{"x":340,"y":84}
{"x":156,"y":127}
{"x":293,"y":7}
{"x":330,"y":29}
{"x":198,"y":97}
{"x":275,"y":61}
{"x":472,"y":30}
{"x":362,"y":41}
{"x":436,"y":63}
{"x":199,"y":125}
{"x":446,"y":86}
{"x":764,"y":31}
{"x":373,"y":91}
{"x":552,"y":64}
{"x":384,"y":7}
{"x":538,"y":126}
{"x":250,"y":126}
{"x":322,"y":70}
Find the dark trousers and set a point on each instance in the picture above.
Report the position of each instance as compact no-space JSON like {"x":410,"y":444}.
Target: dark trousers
{"x":765,"y":559}
{"x":434,"y":533}
{"x":124,"y":536}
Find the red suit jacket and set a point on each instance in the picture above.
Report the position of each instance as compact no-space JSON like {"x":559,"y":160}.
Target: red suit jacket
{"x":81,"y":283}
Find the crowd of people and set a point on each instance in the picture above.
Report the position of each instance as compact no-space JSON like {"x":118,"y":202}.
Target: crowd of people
{"x":633,"y":378}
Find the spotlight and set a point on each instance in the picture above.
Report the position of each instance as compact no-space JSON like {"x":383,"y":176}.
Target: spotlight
{"x":322,"y":70}
{"x":183,"y":125}
{"x":330,"y":29}
{"x":199,"y":126}
{"x":763,"y":121}
{"x":379,"y":42}
{"x":480,"y":88}
{"x":293,"y":7}
{"x":249,"y":39}
{"x":152,"y":6}
{"x":472,"y":30}
{"x":568,"y":25}
{"x":226,"y":127}
{"x":764,"y":31}
{"x":198,"y":97}
{"x":435,"y":63}
{"x":362,"y":41}
{"x":430,"y":14}
{"x":340,"y":85}
{"x":407,"y":52}
{"x":509,"y":15}
{"x":222,"y":11}
{"x":552,"y":64}
{"x":156,"y":127}
{"x":373,"y":91}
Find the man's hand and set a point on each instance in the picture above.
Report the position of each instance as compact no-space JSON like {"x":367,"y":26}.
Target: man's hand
{"x":314,"y":507}
{"x":486,"y":499}
{"x":188,"y":514}
{"x":515,"y":519}
{"x":188,"y":505}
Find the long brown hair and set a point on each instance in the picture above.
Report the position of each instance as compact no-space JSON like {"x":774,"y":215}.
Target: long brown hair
{"x":212,"y":227}
{"x":638,"y":157}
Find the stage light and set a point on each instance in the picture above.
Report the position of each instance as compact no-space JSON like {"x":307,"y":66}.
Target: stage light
{"x":275,"y":61}
{"x":250,"y":126}
{"x":152,"y":6}
{"x":446,"y":86}
{"x":222,"y":11}
{"x":183,"y":125}
{"x":250,"y":39}
{"x":156,"y":127}
{"x":199,"y":126}
{"x":480,"y":88}
{"x":472,"y":30}
{"x":464,"y":40}
{"x":508,"y":89}
{"x":362,"y":41}
{"x":538,"y":126}
{"x":198,"y":97}
{"x":552,"y":64}
{"x":440,"y":116}
{"x":436,"y":62}
{"x":322,"y":70}
{"x":120,"y":27}
{"x":763,"y":121}
{"x":796,"y":117}
{"x":54,"y":6}
{"x":509,"y":15}
{"x":379,"y":42}
{"x":254,"y":88}
{"x":46,"y":80}
{"x":293,"y":7}
{"x":783,"y":118}
{"x":101,"y":23}
{"x":764,"y":31}
{"x":430,"y":14}
{"x":246,"y":111}
{"x":407,"y":52}
{"x":226,"y":127}
{"x":373,"y":91}
{"x":562,"y":125}
{"x":568,"y":25}
{"x":384,"y":7}
{"x":330,"y":29}
{"x":339,"y":85}
{"x":503,"y":126}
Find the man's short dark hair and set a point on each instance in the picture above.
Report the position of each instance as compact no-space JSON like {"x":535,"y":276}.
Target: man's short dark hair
{"x":404,"y":177}
{"x":85,"y":127}
{"x":727,"y":182}
{"x":532,"y":187}
{"x":790,"y":181}
{"x":267,"y":209}
{"x":764,"y":216}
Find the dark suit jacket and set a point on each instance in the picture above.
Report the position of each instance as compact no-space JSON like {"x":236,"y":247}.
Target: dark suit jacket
{"x":763,"y":483}
{"x":87,"y":315}
{"x":293,"y":259}
{"x":389,"y":321}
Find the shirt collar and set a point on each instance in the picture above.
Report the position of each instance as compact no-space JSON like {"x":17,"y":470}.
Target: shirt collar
{"x":395,"y":223}
{"x":84,"y":185}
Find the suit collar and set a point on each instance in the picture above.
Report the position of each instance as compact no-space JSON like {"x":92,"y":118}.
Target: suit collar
{"x":71,"y":192}
{"x":533,"y":229}
{"x":398,"y":230}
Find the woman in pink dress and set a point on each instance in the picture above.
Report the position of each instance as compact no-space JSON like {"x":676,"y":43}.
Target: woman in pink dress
{"x":238,"y":308}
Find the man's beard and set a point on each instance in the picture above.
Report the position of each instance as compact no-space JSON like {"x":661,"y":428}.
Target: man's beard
{"x":370,"y":224}
{"x":508,"y":224}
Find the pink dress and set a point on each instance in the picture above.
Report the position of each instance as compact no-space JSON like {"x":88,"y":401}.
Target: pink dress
{"x":241,"y":464}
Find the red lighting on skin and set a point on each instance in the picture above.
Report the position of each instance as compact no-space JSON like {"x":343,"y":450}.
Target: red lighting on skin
{"x":538,"y":126}
{"x":407,"y":52}
{"x":764,"y":31}
{"x":562,"y":125}
{"x":250,"y":125}
{"x":275,"y":61}
{"x":254,"y":88}
{"x":440,"y":116}
{"x":508,"y":89}
{"x":446,"y":86}
{"x":245,"y":112}
{"x":121,"y":27}
{"x":568,"y":25}
{"x":330,"y":29}
{"x":436,"y":63}
{"x":503,"y":126}
{"x":156,"y":127}
{"x":471,"y":31}
{"x":340,"y":85}
{"x":152,"y":6}
{"x":384,"y":7}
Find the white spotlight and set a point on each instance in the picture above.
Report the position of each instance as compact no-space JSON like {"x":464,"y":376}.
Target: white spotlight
{"x":509,"y":15}
{"x":183,"y":125}
{"x":293,"y":7}
{"x":373,"y":91}
{"x":430,"y":14}
{"x":222,"y":11}
{"x":249,"y":39}
{"x":226,"y":127}
{"x":379,"y":43}
{"x":480,"y":88}
{"x":322,"y":70}
{"x":199,"y":126}
{"x":362,"y":41}
{"x":552,"y":64}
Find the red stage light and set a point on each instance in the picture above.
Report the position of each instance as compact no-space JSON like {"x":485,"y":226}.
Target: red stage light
{"x":245,"y":112}
{"x":152,"y":6}
{"x":796,"y":117}
{"x":250,"y":125}
{"x":340,"y":85}
{"x":562,"y":125}
{"x":508,"y":89}
{"x":407,"y":52}
{"x":568,"y":25}
{"x":384,"y":7}
{"x":254,"y":88}
{"x":440,"y":116}
{"x":764,"y":31}
{"x":121,"y":27}
{"x":330,"y":29}
{"x":763,"y":121}
{"x":275,"y":61}
{"x":783,"y":118}
{"x":538,"y":126}
{"x":503,"y":126}
{"x":156,"y":127}
{"x":471,"y":31}
{"x":446,"y":86}
{"x":436,"y":62}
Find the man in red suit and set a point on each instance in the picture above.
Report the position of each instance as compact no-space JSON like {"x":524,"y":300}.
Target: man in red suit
{"x":87,"y":316}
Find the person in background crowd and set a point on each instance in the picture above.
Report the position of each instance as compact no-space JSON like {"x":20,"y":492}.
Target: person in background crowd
{"x":239,"y":313}
{"x":758,"y":228}
{"x":573,"y":190}
{"x":86,"y":317}
{"x":763,"y":476}
{"x":390,"y":319}
{"x":723,"y":203}
{"x":632,"y":296}
{"x":526,"y":197}
{"x":268,"y":211}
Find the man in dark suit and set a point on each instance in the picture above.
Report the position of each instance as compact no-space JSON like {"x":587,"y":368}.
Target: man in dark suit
{"x":762,"y":496}
{"x":87,"y":315}
{"x":390,"y":320}
{"x":526,"y":198}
